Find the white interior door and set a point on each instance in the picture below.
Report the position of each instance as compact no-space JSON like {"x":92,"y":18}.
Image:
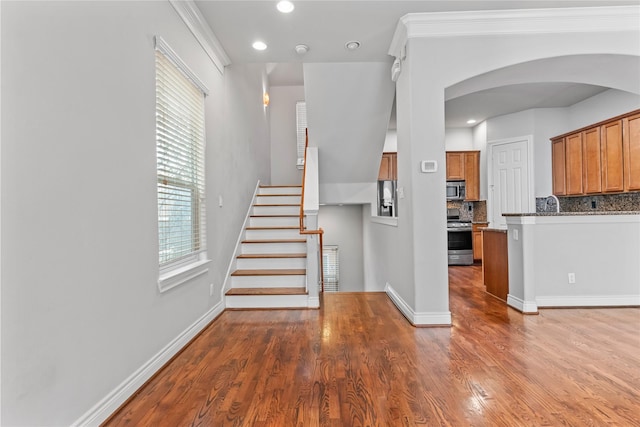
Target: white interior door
{"x":510,"y":180}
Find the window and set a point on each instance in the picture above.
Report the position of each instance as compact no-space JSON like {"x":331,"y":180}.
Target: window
{"x":330,"y":268}
{"x":180,"y":163}
{"x":301,"y":132}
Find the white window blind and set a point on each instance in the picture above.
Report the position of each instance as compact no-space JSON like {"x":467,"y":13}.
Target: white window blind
{"x":301,"y":132}
{"x":330,"y":268}
{"x":180,"y":159}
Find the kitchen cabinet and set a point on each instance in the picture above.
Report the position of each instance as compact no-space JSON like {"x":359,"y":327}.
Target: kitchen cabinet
{"x":388,"y":167}
{"x":455,"y":165}
{"x":495,"y":266}
{"x":573,"y":163}
{"x":592,"y":157}
{"x":558,"y":167}
{"x":601,"y":158}
{"x":476,"y":234}
{"x":631,"y":150}
{"x":612,"y":161}
{"x":465,"y":165}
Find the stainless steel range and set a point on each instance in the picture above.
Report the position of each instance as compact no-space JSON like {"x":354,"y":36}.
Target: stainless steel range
{"x":459,"y":239}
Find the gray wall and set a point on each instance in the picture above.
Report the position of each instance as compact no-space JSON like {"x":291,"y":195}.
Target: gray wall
{"x":342,"y":226}
{"x":283,"y":134}
{"x":81,"y":310}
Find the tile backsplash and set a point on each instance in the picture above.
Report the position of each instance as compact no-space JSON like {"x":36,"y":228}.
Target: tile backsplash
{"x":594,"y":203}
{"x":470,"y":211}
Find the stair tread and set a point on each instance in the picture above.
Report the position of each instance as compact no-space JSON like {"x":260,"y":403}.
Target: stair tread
{"x":275,"y":227}
{"x":271,"y":272}
{"x":275,"y":216}
{"x":274,"y":241}
{"x":267,"y":291}
{"x":280,"y":186}
{"x":261,"y":256}
{"x":271,"y":205}
{"x":280,"y":195}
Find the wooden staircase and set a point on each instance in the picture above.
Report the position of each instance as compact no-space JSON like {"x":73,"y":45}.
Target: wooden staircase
{"x":270,"y":269}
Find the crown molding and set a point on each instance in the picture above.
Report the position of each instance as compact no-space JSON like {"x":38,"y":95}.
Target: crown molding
{"x":198,"y":26}
{"x":513,"y":22}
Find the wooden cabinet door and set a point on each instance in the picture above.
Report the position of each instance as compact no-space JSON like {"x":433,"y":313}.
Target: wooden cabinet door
{"x":472,"y":175}
{"x":631,"y":126}
{"x":612,"y":161}
{"x":385,"y":168}
{"x":592,"y":161}
{"x":394,"y":166}
{"x":573,"y":163}
{"x":558,"y":167}
{"x":476,"y":235}
{"x":455,"y":165}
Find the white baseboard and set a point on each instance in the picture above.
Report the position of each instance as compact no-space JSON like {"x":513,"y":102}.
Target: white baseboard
{"x":112,"y":401}
{"x":588,"y":301}
{"x":526,"y":307}
{"x":418,"y":318}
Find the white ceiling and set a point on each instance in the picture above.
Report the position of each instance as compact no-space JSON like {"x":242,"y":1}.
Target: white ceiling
{"x":325,"y":26}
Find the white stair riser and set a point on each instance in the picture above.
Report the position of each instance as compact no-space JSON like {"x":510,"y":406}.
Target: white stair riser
{"x":268,"y":281}
{"x":266,"y":301}
{"x":272,"y":200}
{"x":270,"y":263}
{"x":276,"y":210}
{"x":273,"y":248}
{"x":293,"y":233}
{"x":279,"y":190}
{"x":276,"y":221}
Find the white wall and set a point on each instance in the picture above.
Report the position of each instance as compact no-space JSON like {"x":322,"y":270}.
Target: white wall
{"x":283,"y":134}
{"x":80,"y":303}
{"x":601,"y":250}
{"x":458,"y":139}
{"x":342,"y":226}
{"x":600,"y":107}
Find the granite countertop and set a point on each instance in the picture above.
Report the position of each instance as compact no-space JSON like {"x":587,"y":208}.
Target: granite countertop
{"x":574,"y":213}
{"x":494,"y":230}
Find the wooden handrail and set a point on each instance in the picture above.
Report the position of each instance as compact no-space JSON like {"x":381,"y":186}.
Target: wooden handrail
{"x":303,"y":229}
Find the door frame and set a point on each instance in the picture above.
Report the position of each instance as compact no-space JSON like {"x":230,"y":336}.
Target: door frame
{"x":530,"y":175}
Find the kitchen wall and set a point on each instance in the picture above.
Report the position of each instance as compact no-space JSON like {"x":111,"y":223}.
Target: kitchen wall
{"x":342,"y":226}
{"x":283,"y":156}
{"x":81,"y":310}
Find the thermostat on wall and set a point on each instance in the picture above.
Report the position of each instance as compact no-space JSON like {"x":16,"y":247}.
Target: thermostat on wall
{"x":429,"y":166}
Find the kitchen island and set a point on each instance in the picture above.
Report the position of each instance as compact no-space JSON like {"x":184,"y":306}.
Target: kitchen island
{"x":573,"y":259}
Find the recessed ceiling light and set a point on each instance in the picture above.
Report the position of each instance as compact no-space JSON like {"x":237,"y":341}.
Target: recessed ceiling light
{"x":285,"y":6}
{"x":258,"y":45}
{"x":471,"y":121}
{"x":352,"y":45}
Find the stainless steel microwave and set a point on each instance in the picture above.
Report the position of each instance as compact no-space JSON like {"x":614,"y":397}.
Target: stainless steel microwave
{"x":455,"y":190}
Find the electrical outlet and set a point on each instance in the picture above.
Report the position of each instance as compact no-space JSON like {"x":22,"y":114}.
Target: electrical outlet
{"x":572,"y":278}
{"x":593,"y":204}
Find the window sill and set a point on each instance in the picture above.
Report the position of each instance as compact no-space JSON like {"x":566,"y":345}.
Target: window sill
{"x":385,"y":220}
{"x":178,"y":276}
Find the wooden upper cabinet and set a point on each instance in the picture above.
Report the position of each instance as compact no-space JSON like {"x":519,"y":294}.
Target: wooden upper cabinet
{"x":592,"y":158}
{"x":388,"y":167}
{"x":472,"y":175}
{"x":631,"y":132}
{"x":612,"y":161}
{"x":465,"y":165}
{"x":558,"y":167}
{"x":455,"y":165}
{"x":601,"y":158}
{"x":573,"y":163}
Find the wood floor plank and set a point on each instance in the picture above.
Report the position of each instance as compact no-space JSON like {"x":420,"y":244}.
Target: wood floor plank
{"x":358,"y":362}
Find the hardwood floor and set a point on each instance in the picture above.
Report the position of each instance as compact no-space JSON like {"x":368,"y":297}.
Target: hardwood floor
{"x":358,"y":362}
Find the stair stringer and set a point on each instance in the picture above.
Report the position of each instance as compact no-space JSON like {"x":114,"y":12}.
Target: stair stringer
{"x":232,"y":262}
